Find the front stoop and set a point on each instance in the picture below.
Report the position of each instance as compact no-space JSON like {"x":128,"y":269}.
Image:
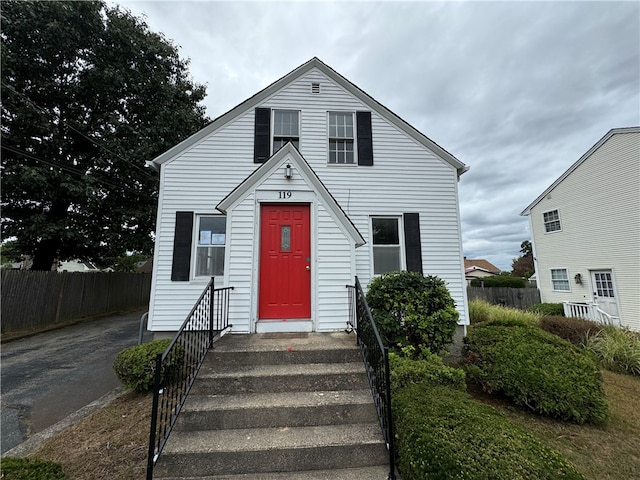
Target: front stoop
{"x":278,"y":407}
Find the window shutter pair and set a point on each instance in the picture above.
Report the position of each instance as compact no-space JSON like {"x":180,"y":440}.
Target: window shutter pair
{"x":182,"y":247}
{"x":262,"y":137}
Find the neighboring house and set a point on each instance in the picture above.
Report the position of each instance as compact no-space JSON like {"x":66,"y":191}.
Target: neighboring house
{"x":586,"y":230}
{"x":479,"y":268}
{"x":77,"y":266}
{"x":291,"y":195}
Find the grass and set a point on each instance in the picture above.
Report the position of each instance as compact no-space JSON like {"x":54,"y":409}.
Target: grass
{"x":600,"y":453}
{"x":110,"y":443}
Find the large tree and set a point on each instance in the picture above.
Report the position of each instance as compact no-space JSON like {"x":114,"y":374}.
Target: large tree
{"x":89,"y":94}
{"x":523,"y":265}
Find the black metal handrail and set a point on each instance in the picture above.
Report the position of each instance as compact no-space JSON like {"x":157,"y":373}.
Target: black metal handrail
{"x":176,"y":369}
{"x":376,"y":360}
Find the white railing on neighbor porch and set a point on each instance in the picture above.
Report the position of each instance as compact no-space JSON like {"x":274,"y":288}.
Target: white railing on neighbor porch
{"x":589,"y":311}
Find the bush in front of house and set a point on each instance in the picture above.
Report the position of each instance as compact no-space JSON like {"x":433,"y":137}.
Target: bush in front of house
{"x":544,"y":309}
{"x":429,"y":370}
{"x":482,"y":311}
{"x":574,"y":330}
{"x":413,"y":310}
{"x":442,"y":433}
{"x":536,"y":370}
{"x":18,"y":468}
{"x":499,"y":281}
{"x":618,"y":349}
{"x":135,"y":366}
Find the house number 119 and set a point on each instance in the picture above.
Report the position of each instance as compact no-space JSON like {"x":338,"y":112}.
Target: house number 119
{"x":284,"y":194}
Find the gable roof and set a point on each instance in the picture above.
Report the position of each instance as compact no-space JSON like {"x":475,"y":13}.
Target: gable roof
{"x":480,"y":264}
{"x":293,"y":156}
{"x":581,"y":160}
{"x":262,"y":95}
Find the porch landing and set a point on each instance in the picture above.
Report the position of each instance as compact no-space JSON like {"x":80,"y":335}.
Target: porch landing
{"x":278,"y":407}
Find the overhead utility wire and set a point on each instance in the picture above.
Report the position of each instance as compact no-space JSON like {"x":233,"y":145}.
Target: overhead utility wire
{"x":71,"y":127}
{"x":53,"y":163}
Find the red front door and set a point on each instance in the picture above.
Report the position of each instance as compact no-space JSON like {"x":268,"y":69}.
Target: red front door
{"x":285,"y":262}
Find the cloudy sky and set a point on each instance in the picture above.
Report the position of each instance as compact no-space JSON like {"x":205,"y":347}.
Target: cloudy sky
{"x":516,"y":90}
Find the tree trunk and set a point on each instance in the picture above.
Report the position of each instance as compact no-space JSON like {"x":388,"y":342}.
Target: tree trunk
{"x":46,"y":253}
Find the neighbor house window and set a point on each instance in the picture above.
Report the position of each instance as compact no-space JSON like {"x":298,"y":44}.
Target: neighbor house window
{"x":210,"y":245}
{"x":286,"y":128}
{"x":551,"y":221}
{"x":386,"y":244}
{"x":560,"y":279}
{"x":341,"y":138}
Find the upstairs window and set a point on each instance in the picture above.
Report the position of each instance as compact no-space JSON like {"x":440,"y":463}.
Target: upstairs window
{"x":341,"y":138}
{"x":286,"y":128}
{"x":210,"y":245}
{"x":560,"y":279}
{"x":551,"y":221}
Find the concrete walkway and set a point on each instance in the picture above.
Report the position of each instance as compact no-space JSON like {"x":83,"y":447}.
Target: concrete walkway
{"x":55,"y":375}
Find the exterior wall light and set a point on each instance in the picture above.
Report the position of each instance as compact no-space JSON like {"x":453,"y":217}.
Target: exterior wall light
{"x":288,"y":173}
{"x":578,"y":279}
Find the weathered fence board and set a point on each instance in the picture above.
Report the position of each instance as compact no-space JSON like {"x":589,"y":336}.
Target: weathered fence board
{"x":32,"y":299}
{"x":509,"y":297}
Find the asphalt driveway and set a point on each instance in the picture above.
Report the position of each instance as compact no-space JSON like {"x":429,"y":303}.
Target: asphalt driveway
{"x":46,"y":377}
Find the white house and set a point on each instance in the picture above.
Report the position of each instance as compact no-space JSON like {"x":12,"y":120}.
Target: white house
{"x":291,"y":195}
{"x":586,"y":230}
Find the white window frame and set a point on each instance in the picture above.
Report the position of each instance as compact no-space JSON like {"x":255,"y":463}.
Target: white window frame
{"x":402,"y":252}
{"x":552,"y":222}
{"x":352,"y":139}
{"x":273,"y":128}
{"x":197,"y":245}
{"x":553,"y":284}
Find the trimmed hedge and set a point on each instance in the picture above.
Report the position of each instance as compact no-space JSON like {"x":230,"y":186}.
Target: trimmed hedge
{"x":429,"y":370}
{"x":15,"y":468}
{"x":555,"y":309}
{"x":442,"y":433}
{"x":135,"y":366}
{"x":499,"y":281}
{"x":413,"y":310}
{"x":537,"y":370}
{"x":574,"y":330}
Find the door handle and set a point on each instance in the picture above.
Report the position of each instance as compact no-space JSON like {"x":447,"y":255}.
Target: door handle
{"x":307,"y":268}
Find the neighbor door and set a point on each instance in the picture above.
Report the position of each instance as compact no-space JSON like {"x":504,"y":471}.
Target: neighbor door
{"x":285,"y":262}
{"x":604,"y":292}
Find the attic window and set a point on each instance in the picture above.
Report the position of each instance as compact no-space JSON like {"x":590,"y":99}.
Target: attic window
{"x":315,"y":88}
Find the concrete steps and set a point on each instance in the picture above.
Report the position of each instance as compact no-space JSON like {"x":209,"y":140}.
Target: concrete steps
{"x":278,"y":407}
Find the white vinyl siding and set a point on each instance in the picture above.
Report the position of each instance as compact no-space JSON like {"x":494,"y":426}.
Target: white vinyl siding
{"x":405,"y":176}
{"x":598,"y":204}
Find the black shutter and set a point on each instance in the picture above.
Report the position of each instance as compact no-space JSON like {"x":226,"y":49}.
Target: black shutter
{"x":365,"y":143}
{"x":262,"y":135}
{"x":412,"y":245}
{"x":182,"y":247}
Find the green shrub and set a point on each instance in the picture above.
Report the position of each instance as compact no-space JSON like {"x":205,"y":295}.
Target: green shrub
{"x":544,"y":309}
{"x":414,"y":310}
{"x":442,"y":433}
{"x":617,"y":348}
{"x":428,"y":370}
{"x":481,"y":311}
{"x":14,"y":468}
{"x":537,"y":370}
{"x":135,"y":366}
{"x":499,"y":281}
{"x":574,"y":330}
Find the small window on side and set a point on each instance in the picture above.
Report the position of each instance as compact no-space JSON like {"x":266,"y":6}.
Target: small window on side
{"x":560,"y":279}
{"x":210,"y":245}
{"x":551,"y":221}
{"x":341,"y":137}
{"x":286,"y":128}
{"x":387,"y":251}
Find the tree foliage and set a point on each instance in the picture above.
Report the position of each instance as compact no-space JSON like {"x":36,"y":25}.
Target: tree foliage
{"x":523,"y":265}
{"x":89,"y":94}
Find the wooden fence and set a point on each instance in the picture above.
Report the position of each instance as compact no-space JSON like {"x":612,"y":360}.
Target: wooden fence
{"x":510,"y":297}
{"x":34,"y":299}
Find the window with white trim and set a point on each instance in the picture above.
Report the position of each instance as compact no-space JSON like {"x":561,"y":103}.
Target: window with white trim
{"x":551,"y":221}
{"x":386,"y":244}
{"x":210,"y":245}
{"x":286,"y":128}
{"x":341,"y":138}
{"x":560,"y":279}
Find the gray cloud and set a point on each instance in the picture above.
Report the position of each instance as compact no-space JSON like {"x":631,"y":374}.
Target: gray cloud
{"x":517,"y":90}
